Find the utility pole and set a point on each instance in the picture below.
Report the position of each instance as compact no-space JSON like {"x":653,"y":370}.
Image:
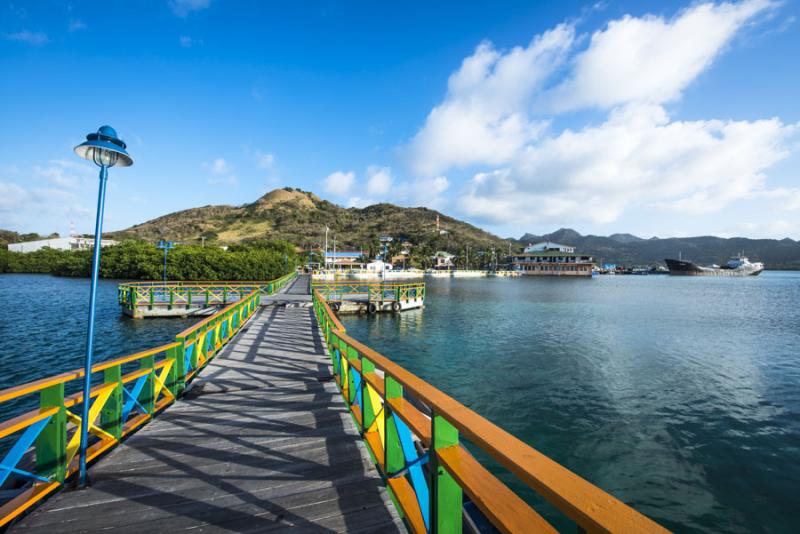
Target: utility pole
{"x":334,"y":256}
{"x":325,"y":266}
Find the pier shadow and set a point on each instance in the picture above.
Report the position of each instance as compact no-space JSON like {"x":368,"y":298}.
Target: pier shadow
{"x":263,"y":442}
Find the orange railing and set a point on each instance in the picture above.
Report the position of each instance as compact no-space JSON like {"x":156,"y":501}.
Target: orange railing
{"x":428,"y":469}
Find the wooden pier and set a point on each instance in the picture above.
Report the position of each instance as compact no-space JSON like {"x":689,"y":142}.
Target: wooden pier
{"x":260,"y":441}
{"x":268,"y":415}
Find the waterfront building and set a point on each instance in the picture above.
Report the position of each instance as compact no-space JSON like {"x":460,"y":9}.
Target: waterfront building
{"x":344,"y":259}
{"x":443,"y":260}
{"x":552,"y":259}
{"x":59,"y":243}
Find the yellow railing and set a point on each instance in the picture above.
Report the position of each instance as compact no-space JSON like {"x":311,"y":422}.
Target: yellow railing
{"x":128,"y":392}
{"x":383,"y":399}
{"x":196,"y":294}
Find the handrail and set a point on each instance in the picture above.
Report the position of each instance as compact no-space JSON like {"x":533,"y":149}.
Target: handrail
{"x":355,"y":364}
{"x":122,"y":400}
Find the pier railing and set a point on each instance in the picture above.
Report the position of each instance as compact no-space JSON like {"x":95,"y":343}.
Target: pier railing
{"x":336,"y":291}
{"x":127,"y":393}
{"x":383,"y":399}
{"x":188,"y":295}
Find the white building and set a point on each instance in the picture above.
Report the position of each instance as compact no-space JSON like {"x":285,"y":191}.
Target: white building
{"x":59,"y":243}
{"x":545,"y":246}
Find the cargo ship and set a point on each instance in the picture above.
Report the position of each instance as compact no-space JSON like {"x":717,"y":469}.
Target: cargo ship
{"x":737,"y":266}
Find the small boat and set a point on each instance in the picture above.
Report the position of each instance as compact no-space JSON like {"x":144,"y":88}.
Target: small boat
{"x":737,"y":266}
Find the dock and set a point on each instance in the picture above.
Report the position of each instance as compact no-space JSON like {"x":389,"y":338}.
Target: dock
{"x":265,"y":416}
{"x":260,"y":441}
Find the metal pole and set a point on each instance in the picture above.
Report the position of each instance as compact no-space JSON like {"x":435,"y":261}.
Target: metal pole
{"x":165,"y":263}
{"x":87,"y":367}
{"x":326,"y":248}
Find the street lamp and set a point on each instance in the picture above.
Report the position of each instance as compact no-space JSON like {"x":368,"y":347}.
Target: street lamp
{"x":105,"y":149}
{"x":166,"y":246}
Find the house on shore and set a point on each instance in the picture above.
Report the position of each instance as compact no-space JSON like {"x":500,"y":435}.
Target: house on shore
{"x":552,"y":259}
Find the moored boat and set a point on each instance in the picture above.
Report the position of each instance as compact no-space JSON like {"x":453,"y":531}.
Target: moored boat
{"x":737,"y":266}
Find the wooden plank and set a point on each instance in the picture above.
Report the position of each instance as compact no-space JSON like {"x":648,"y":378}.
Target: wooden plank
{"x":405,"y":496}
{"x":503,"y":507}
{"x":259,"y":443}
{"x":416,"y":420}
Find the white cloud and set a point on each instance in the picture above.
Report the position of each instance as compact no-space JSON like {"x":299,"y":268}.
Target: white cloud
{"x":636,"y":158}
{"x":12,"y":197}
{"x":379,"y":180}
{"x":428,"y":192}
{"x":339,"y":183}
{"x":76,"y":25}
{"x":28,"y":37}
{"x":185,"y":41}
{"x":31,"y":209}
{"x":221,"y":172}
{"x":264,"y":160}
{"x":483,"y":118}
{"x":65,"y":173}
{"x":651,"y":59}
{"x":219,"y":166}
{"x":183,"y":8}
{"x":500,"y":107}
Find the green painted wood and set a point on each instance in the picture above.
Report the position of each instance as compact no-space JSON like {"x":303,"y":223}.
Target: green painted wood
{"x":147,"y":396}
{"x":51,"y":445}
{"x":446,"y":494}
{"x":111,"y":414}
{"x":392,"y":449}
{"x":367,"y":411}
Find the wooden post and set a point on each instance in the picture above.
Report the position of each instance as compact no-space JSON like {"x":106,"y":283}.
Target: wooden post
{"x":393,"y":457}
{"x":147,"y":397}
{"x":446,"y":494}
{"x":111,"y":415}
{"x":51,"y":445}
{"x":176,"y":381}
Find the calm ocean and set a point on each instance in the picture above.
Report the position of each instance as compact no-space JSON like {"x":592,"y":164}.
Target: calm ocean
{"x":681,"y":396}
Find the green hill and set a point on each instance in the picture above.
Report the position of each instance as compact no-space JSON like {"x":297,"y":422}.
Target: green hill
{"x":300,"y":217}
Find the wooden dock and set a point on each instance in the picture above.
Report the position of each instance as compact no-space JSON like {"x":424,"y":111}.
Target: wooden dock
{"x":262,"y":441}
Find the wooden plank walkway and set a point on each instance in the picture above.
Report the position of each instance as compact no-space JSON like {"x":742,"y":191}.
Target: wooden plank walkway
{"x":261,"y":442}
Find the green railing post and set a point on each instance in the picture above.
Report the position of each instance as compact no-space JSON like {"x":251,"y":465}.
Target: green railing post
{"x":224,"y":295}
{"x":208,"y":296}
{"x":367,"y":411}
{"x":395,"y":461}
{"x":51,"y":445}
{"x":147,"y":396}
{"x":446,"y":493}
{"x":171,"y":298}
{"x":176,"y":381}
{"x":188,"y":298}
{"x":152,"y":298}
{"x":195,"y":351}
{"x":111,"y":416}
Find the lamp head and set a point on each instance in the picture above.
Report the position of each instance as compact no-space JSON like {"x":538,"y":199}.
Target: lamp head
{"x":105,"y":148}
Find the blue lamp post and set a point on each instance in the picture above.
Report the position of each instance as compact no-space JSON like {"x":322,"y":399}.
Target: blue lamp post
{"x":105,"y":149}
{"x":166,"y":246}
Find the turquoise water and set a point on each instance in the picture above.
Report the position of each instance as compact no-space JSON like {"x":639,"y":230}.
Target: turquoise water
{"x":43,"y":329}
{"x":681,"y":396}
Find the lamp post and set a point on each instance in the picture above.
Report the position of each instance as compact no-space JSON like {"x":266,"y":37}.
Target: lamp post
{"x":166,"y":246}
{"x":105,"y":149}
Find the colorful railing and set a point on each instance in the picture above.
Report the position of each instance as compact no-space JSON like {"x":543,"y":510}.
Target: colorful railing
{"x":127,"y":393}
{"x":427,"y":468}
{"x":336,"y":291}
{"x":188,"y":295}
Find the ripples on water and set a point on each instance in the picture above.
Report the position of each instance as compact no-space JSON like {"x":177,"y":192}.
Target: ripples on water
{"x":43,"y":329}
{"x":679,"y":395}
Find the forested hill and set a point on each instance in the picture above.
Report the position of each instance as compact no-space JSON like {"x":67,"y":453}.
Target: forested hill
{"x":631,"y":250}
{"x":300,"y":217}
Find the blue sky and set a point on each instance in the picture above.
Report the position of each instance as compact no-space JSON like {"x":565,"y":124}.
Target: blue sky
{"x":655,"y":118}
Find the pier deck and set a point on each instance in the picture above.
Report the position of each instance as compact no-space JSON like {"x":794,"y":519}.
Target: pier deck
{"x":261,"y":441}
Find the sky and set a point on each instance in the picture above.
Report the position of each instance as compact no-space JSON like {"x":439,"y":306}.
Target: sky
{"x":651,"y":118}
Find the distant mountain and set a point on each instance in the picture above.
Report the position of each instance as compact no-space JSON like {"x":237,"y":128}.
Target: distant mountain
{"x":300,"y":217}
{"x":628,"y":249}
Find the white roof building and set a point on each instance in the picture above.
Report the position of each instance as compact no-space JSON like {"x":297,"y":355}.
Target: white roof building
{"x":545,"y":246}
{"x":59,"y":243}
